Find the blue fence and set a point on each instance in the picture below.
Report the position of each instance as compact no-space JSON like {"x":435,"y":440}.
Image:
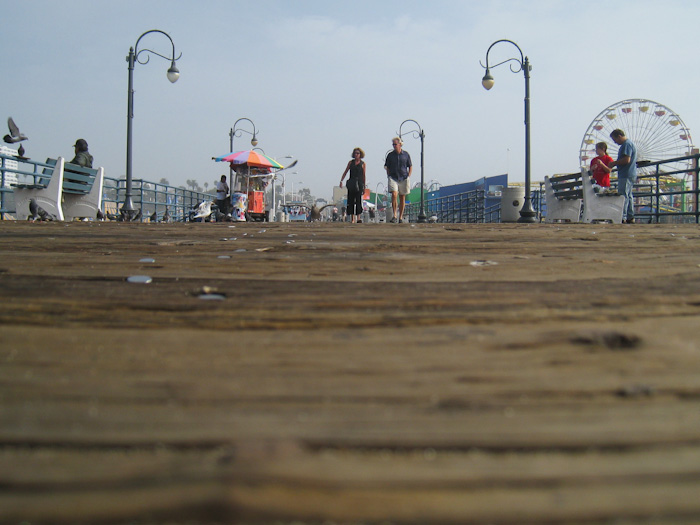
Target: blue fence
{"x":153,"y":198}
{"x":474,"y":206}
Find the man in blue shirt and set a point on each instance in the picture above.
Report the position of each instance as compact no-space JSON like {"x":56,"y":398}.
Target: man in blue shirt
{"x":626,"y":172}
{"x":398,"y":168}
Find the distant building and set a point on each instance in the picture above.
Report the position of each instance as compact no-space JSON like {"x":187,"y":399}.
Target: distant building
{"x":9,"y":178}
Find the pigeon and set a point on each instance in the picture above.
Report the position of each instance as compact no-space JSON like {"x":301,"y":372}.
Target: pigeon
{"x":20,"y":151}
{"x":154,"y":217}
{"x":113,"y":217}
{"x":37,"y":212}
{"x":100,"y":216}
{"x":166,"y":217}
{"x":15,"y":135}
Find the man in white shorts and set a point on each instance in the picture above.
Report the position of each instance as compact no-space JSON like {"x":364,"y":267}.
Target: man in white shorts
{"x":398,"y":168}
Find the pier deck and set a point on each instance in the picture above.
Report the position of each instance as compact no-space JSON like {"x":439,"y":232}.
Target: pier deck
{"x":364,"y":373}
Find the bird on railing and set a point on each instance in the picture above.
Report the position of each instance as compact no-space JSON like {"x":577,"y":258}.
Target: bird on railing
{"x":15,"y":135}
{"x":100,"y":216}
{"x":20,"y":152}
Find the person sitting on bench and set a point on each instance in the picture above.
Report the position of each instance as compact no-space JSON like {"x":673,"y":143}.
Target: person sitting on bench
{"x":82,"y":155}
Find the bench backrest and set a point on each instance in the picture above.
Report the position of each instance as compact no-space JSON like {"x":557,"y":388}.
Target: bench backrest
{"x":569,"y":186}
{"x":44,"y":181}
{"x":76,"y":179}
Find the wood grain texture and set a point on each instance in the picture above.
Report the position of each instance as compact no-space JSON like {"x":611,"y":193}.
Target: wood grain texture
{"x":352,"y":374}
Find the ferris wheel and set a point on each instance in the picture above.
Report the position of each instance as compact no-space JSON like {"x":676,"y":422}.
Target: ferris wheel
{"x":658,"y":132}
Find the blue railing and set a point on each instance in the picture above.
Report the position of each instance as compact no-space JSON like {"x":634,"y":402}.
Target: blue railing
{"x":469,"y":207}
{"x":668,"y":196}
{"x":152,"y":197}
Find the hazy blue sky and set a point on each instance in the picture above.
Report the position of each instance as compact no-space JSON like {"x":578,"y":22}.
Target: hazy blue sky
{"x":321,"y":77}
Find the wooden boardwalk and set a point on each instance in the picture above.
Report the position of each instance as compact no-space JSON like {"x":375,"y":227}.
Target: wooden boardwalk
{"x":350,"y":374}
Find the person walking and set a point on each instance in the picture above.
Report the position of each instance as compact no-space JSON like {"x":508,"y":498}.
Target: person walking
{"x":355,"y":184}
{"x":626,"y":164}
{"x":398,"y":168}
{"x":222,"y":191}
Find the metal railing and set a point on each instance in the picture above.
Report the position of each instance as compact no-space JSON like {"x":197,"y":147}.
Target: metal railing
{"x":668,"y":196}
{"x":468,"y":207}
{"x":153,"y":197}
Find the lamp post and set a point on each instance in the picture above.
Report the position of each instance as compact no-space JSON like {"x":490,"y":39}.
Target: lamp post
{"x":293,"y":194}
{"x":527,"y":214}
{"x":127,"y":210}
{"x":284,"y":185}
{"x":236,"y":132}
{"x":418,"y":133}
{"x":376,"y":194}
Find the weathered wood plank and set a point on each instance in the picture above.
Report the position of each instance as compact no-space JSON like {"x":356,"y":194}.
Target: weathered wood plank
{"x":359,"y":374}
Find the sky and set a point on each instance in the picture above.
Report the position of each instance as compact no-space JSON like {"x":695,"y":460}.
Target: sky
{"x":320,"y":77}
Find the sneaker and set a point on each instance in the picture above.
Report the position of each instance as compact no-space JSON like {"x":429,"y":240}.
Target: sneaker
{"x":401,"y":221}
{"x":359,"y":221}
{"x":629,"y":221}
{"x":393,"y":219}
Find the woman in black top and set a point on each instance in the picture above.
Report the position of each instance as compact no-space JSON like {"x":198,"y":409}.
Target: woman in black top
{"x":355,"y":183}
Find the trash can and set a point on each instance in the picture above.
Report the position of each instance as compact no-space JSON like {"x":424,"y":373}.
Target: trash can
{"x":511,"y":202}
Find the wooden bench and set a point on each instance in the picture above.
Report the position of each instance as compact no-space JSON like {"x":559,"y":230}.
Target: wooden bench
{"x":67,"y":191}
{"x":563,"y":197}
{"x":600,"y":207}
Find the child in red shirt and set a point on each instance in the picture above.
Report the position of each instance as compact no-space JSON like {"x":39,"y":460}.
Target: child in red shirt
{"x":599,"y":165}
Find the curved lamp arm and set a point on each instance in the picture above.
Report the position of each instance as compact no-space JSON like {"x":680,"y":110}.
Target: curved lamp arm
{"x":417,"y":133}
{"x":237,"y":132}
{"x":173,"y":72}
{"x":488,"y":80}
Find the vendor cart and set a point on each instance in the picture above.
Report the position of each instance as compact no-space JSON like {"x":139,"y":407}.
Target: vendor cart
{"x":253,"y":174}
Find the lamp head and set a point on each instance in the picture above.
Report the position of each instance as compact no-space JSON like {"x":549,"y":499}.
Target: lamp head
{"x":254,"y":140}
{"x":487,"y":81}
{"x":173,"y":73}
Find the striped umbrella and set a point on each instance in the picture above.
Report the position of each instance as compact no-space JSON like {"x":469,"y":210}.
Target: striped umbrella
{"x":251,"y":158}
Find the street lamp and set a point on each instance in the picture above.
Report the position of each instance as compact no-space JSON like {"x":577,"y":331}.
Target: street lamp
{"x":418,"y":133}
{"x":284,"y":185}
{"x":376,"y":194}
{"x":527,"y":214}
{"x":293,"y":194}
{"x":127,"y":210}
{"x":236,"y":132}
